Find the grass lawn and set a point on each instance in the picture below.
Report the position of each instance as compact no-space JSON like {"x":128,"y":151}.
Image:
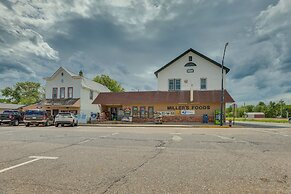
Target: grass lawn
{"x":270,"y":120}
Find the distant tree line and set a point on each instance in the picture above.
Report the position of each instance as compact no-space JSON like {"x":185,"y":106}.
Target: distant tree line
{"x":271,"y":110}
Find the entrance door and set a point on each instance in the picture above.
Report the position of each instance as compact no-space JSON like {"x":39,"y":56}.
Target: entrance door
{"x":55,"y":112}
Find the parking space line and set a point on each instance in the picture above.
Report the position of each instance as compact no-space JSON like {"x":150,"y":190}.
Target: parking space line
{"x":114,"y":133}
{"x":35,"y":158}
{"x":175,"y":133}
{"x":224,"y":138}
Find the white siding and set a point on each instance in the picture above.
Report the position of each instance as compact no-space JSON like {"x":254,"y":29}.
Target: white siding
{"x":81,"y":89}
{"x":68,"y":81}
{"x":204,"y":69}
{"x":86,"y":103}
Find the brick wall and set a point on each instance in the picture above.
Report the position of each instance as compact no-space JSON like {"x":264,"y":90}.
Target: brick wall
{"x":174,"y":119}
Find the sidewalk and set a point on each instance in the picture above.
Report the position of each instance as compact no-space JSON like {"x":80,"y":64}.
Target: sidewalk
{"x":175,"y":125}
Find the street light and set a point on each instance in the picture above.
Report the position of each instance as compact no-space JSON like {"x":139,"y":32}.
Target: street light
{"x":222,"y":89}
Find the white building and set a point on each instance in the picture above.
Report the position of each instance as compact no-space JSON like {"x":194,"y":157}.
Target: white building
{"x":190,"y":70}
{"x":69,"y":92}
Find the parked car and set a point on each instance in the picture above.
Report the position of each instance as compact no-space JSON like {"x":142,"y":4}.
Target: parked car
{"x":64,"y":118}
{"x":12,"y":117}
{"x":36,"y":117}
{"x":290,"y":120}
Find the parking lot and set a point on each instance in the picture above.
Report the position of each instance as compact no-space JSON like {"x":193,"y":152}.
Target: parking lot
{"x":144,"y":160}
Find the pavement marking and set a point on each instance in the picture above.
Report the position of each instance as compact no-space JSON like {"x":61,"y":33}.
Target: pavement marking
{"x":223,"y":137}
{"x":177,"y":138}
{"x":35,"y":158}
{"x":114,"y":133}
{"x":175,"y":133}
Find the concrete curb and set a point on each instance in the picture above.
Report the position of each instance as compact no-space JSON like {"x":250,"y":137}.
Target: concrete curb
{"x":157,"y":125}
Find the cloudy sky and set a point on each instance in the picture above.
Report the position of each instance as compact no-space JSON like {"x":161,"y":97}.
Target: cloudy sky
{"x":130,"y":39}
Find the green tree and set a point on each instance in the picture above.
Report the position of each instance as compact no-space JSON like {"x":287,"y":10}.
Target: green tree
{"x":23,"y":93}
{"x":260,"y":107}
{"x":110,"y":83}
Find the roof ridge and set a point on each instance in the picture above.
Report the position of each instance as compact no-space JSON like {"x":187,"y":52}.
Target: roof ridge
{"x":195,"y":52}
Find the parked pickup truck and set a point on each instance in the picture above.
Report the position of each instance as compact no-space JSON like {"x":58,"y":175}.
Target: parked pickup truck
{"x":36,"y":117}
{"x":12,"y":117}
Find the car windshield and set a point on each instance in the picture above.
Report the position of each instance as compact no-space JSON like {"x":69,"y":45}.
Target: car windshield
{"x":34,"y":112}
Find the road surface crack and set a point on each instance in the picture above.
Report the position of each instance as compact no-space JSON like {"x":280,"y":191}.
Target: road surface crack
{"x":158,"y":151}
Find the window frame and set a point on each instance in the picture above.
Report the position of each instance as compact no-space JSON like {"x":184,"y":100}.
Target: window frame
{"x":69,"y":92}
{"x":203,"y":85}
{"x":56,"y":90}
{"x":175,"y":81}
{"x":62,"y":88}
{"x":190,"y":58}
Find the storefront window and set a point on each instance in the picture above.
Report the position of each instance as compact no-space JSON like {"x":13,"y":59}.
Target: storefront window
{"x":134,"y":111}
{"x":151,"y":111}
{"x":142,"y":112}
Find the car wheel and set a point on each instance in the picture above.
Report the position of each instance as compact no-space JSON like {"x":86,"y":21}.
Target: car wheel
{"x":56,"y":125}
{"x":27,"y":125}
{"x":37,"y":124}
{"x":73,"y":124}
{"x":62,"y":125}
{"x":76,"y":124}
{"x":16,"y":123}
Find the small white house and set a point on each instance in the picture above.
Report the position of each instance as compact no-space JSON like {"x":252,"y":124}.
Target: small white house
{"x":69,"y":92}
{"x":253,"y":115}
{"x":190,"y":71}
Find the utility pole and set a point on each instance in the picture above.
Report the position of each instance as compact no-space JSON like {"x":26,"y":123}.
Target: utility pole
{"x":222,"y":89}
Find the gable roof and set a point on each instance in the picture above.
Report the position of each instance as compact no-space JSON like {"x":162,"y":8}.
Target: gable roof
{"x":197,"y":53}
{"x":58,"y":71}
{"x":160,"y":97}
{"x":87,"y":83}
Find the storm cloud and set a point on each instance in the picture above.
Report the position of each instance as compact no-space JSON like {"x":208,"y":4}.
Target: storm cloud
{"x":129,"y":40}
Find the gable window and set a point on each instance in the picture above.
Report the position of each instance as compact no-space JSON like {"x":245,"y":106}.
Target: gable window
{"x":91,"y":94}
{"x":190,"y":58}
{"x":203,"y":83}
{"x":55,"y":93}
{"x":174,"y":84}
{"x":70,"y":92}
{"x":62,"y":92}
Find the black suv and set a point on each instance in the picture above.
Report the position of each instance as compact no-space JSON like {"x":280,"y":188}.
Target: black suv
{"x":36,"y":117}
{"x":12,"y":117}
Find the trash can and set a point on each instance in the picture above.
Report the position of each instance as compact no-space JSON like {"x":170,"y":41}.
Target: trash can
{"x":205,"y":118}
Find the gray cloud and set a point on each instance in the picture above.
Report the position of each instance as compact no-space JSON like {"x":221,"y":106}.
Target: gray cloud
{"x":130,"y":40}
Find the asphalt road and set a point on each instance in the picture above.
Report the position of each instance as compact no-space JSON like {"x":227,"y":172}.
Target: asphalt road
{"x":144,"y":160}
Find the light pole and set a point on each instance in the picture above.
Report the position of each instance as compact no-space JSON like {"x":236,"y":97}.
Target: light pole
{"x":222,"y":89}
